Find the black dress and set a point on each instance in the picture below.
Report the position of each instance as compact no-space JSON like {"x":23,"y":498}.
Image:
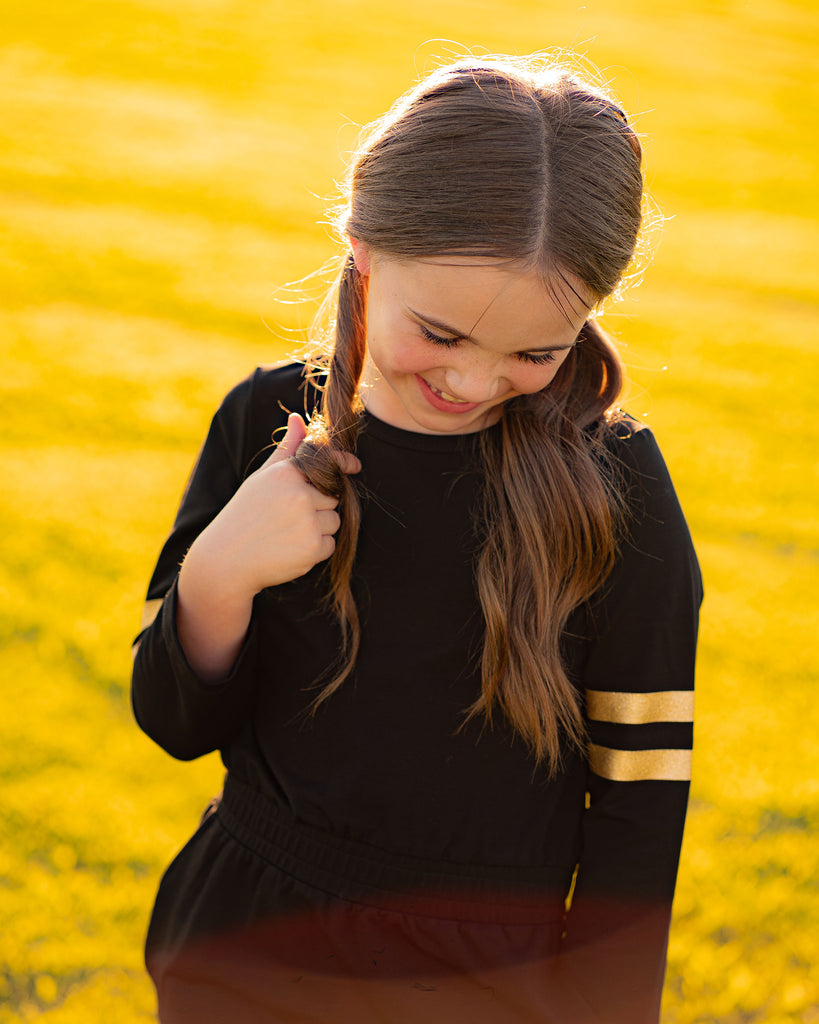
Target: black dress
{"x":381,"y":861}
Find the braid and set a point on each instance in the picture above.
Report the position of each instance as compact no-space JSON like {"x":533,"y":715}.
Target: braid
{"x":336,"y":429}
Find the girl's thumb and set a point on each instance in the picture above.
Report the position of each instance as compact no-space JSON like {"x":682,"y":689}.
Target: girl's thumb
{"x":296,"y":433}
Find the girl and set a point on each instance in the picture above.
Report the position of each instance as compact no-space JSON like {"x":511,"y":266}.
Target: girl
{"x":444,"y":635}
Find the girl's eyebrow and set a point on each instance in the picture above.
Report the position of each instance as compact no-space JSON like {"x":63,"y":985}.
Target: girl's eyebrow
{"x":440,"y":325}
{"x":465,"y":336}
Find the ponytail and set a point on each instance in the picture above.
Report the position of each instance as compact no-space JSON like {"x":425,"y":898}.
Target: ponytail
{"x":335,"y":429}
{"x":587,"y":385}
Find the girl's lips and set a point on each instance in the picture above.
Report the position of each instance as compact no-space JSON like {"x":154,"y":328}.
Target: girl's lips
{"x":438,"y":400}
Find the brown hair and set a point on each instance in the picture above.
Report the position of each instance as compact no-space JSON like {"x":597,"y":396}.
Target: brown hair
{"x":522,"y":162}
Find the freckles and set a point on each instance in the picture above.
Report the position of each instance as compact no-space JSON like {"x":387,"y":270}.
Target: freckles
{"x":528,"y":383}
{"x":408,"y":357}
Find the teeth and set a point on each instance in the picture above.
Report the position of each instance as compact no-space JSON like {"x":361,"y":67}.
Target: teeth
{"x":444,"y":394}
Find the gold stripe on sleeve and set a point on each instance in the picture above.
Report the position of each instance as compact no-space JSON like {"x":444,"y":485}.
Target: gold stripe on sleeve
{"x":150,"y":611}
{"x":640,"y":765}
{"x":640,"y":708}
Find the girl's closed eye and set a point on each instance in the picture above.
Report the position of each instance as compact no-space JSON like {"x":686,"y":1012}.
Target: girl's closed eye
{"x":438,"y":339}
{"x":446,"y":341}
{"x":538,"y":358}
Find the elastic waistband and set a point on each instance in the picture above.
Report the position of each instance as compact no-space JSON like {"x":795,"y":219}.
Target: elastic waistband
{"x":354,"y":871}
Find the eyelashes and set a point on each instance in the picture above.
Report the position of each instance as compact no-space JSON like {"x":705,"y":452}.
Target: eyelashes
{"x":537,"y":358}
{"x":533,"y":358}
{"x":438,"y":339}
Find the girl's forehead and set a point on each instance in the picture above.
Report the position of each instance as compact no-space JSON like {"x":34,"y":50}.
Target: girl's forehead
{"x":486,"y":299}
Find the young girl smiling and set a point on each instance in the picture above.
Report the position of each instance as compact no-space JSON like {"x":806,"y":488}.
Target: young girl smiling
{"x":443,"y":635}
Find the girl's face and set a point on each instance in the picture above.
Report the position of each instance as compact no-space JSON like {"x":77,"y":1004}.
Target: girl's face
{"x":450,"y":339}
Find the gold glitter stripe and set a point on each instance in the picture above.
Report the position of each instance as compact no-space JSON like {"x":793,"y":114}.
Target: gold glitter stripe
{"x":150,"y":612}
{"x":640,"y":708}
{"x":639,"y":765}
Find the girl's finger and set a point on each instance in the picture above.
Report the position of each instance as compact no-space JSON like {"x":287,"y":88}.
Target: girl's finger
{"x":348,"y":463}
{"x":295,"y":434}
{"x":322,"y":501}
{"x":327,"y":547}
{"x":328,"y":521}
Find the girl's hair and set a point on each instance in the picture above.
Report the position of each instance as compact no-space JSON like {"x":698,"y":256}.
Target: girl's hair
{"x":526,"y":163}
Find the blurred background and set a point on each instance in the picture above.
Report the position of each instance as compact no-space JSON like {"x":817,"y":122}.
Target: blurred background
{"x":165,"y":166}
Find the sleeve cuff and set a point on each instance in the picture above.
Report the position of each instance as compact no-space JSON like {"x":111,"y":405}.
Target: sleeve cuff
{"x":180,"y":665}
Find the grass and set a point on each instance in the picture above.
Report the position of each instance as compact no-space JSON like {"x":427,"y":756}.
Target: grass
{"x":162,"y":168}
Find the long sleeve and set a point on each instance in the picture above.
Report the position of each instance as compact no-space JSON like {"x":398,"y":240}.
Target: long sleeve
{"x":183,"y":714}
{"x":638,"y":682}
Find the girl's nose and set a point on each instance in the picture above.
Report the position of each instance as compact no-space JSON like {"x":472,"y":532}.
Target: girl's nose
{"x":473,"y":383}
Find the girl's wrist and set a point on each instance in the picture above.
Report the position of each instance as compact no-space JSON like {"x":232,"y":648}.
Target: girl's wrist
{"x":209,"y":575}
{"x":211,"y":623}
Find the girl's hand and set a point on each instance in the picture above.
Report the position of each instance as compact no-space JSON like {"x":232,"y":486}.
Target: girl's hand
{"x":276,"y":528}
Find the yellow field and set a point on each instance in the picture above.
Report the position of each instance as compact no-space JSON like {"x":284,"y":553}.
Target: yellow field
{"x":162,"y":167}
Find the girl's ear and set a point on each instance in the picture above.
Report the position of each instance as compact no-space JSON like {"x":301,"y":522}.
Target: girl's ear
{"x":361,"y":255}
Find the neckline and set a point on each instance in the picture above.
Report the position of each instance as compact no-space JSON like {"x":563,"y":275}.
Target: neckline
{"x":418,"y":441}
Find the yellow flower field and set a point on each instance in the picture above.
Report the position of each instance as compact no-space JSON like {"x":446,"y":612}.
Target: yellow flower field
{"x":164,"y":171}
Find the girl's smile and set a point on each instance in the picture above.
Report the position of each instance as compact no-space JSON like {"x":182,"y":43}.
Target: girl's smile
{"x":441,"y":400}
{"x":450,"y":340}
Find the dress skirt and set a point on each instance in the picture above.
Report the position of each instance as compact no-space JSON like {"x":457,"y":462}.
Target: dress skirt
{"x":260,"y":920}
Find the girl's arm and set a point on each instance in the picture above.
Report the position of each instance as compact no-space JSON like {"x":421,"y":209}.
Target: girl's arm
{"x":195,"y":667}
{"x":274,"y":529}
{"x":639,"y":682}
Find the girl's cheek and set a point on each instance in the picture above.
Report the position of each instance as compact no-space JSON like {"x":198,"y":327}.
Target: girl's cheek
{"x":412,"y":357}
{"x":528,"y":380}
